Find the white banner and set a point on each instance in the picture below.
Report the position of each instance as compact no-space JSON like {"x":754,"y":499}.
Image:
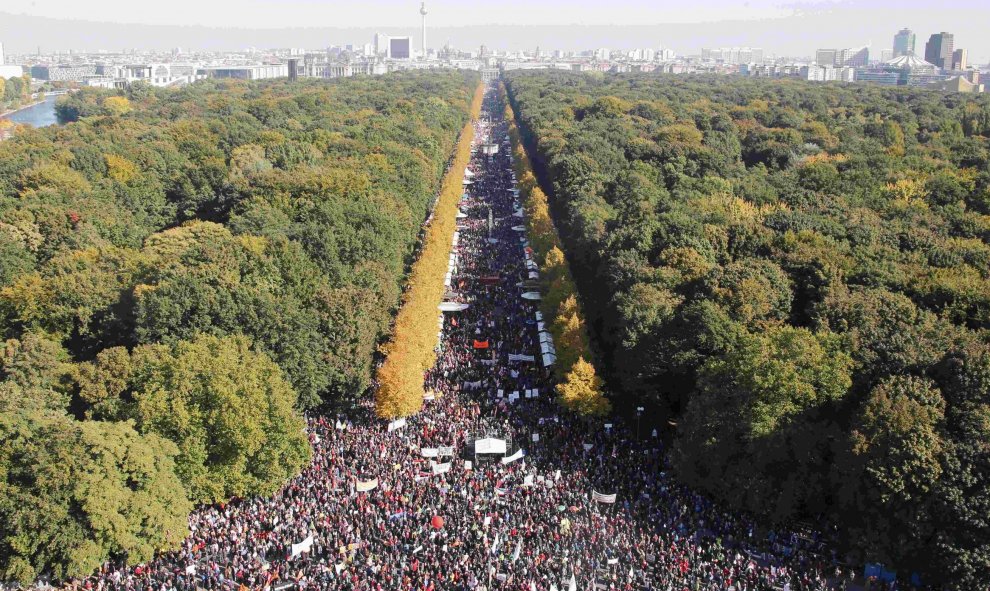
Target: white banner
{"x":516,"y":456}
{"x":587,"y":446}
{"x":302,"y":546}
{"x":441,"y":468}
{"x":468,"y":465}
{"x":607,"y":499}
{"x":367,"y":485}
{"x":446,"y":452}
{"x":429,"y":452}
{"x":396,"y":424}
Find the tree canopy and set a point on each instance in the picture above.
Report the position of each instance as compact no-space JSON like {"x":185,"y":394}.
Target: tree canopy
{"x":797,"y":275}
{"x":183,"y":272}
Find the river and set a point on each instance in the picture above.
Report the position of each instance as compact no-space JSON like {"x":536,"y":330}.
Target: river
{"x":39,"y":115}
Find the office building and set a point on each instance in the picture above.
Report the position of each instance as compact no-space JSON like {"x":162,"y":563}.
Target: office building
{"x":960,"y":57}
{"x":939,"y":49}
{"x":734,"y":55}
{"x":62,"y":72}
{"x":399,"y":48}
{"x":903,"y":43}
{"x":827,"y":57}
{"x":259,"y":72}
{"x":852,"y":58}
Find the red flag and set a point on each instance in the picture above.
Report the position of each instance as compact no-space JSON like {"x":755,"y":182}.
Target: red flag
{"x":481,"y":344}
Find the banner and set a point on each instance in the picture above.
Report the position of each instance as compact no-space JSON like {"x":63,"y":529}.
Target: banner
{"x":481,"y":344}
{"x":446,"y":452}
{"x":587,"y":446}
{"x":396,"y":424}
{"x":607,"y":499}
{"x":367,"y":485}
{"x":441,"y":468}
{"x":302,"y":546}
{"x":429,"y":452}
{"x":468,"y":465}
{"x":516,"y":456}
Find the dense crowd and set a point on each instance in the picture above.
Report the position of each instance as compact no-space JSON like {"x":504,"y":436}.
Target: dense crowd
{"x":436,"y":522}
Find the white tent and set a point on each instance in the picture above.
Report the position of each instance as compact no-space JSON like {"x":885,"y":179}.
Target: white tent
{"x":461,"y":215}
{"x":531,"y":295}
{"x":453,"y":307}
{"x":489,"y":445}
{"x":467,"y":172}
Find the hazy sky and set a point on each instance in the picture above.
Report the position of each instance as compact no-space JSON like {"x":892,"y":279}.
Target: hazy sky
{"x":789,"y":28}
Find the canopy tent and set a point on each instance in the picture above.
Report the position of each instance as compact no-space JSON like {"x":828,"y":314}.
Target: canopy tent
{"x":532,"y":295}
{"x":453,"y":307}
{"x":461,"y":215}
{"x":489,"y":445}
{"x":468,"y":173}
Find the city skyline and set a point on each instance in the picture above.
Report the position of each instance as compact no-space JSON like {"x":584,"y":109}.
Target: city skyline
{"x":795,"y":31}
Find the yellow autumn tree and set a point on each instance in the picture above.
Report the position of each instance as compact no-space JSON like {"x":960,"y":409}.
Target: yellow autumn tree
{"x":117,"y":105}
{"x":581,"y":391}
{"x":560,"y":304}
{"x":412,"y":348}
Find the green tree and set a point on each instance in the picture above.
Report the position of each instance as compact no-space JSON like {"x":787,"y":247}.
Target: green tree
{"x":227,"y":408}
{"x":76,"y":494}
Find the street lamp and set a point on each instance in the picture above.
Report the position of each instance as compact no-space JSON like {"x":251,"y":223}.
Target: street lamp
{"x":639,"y":412}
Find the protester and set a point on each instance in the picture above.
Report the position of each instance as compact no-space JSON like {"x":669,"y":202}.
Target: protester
{"x":432,"y":522}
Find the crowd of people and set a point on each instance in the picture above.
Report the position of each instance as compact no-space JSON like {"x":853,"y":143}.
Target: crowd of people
{"x":409,"y":505}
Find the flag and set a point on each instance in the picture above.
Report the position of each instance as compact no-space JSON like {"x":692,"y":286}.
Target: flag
{"x":495,"y":544}
{"x":613,"y":561}
{"x":515,"y":555}
{"x":601,"y":498}
{"x":481,"y":344}
{"x":572,"y":586}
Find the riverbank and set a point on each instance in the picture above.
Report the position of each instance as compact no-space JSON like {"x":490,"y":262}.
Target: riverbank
{"x":19,"y":109}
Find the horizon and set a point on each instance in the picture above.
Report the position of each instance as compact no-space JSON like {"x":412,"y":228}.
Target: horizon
{"x":792,"y":30}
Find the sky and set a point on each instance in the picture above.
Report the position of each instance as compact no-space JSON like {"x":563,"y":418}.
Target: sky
{"x":792,"y":28}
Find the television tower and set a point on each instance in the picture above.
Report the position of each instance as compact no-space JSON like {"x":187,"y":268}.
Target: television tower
{"x":422,"y":11}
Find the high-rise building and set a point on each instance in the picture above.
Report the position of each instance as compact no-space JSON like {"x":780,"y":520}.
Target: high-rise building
{"x":886,"y":55}
{"x":1,"y":54}
{"x":853,"y":58}
{"x":904,"y":43}
{"x":939,"y":50}
{"x":827,"y":57}
{"x":399,"y":48}
{"x":960,"y":57}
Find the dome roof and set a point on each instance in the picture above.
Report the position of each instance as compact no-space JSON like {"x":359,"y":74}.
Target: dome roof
{"x":909,"y":62}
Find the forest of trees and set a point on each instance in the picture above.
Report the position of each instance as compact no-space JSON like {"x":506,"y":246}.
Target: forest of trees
{"x":182,"y":274}
{"x":798,"y":277}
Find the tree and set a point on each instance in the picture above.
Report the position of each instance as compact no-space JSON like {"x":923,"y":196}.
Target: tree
{"x":226,"y":407}
{"x":117,"y":105}
{"x":581,"y":391}
{"x":76,"y":494}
